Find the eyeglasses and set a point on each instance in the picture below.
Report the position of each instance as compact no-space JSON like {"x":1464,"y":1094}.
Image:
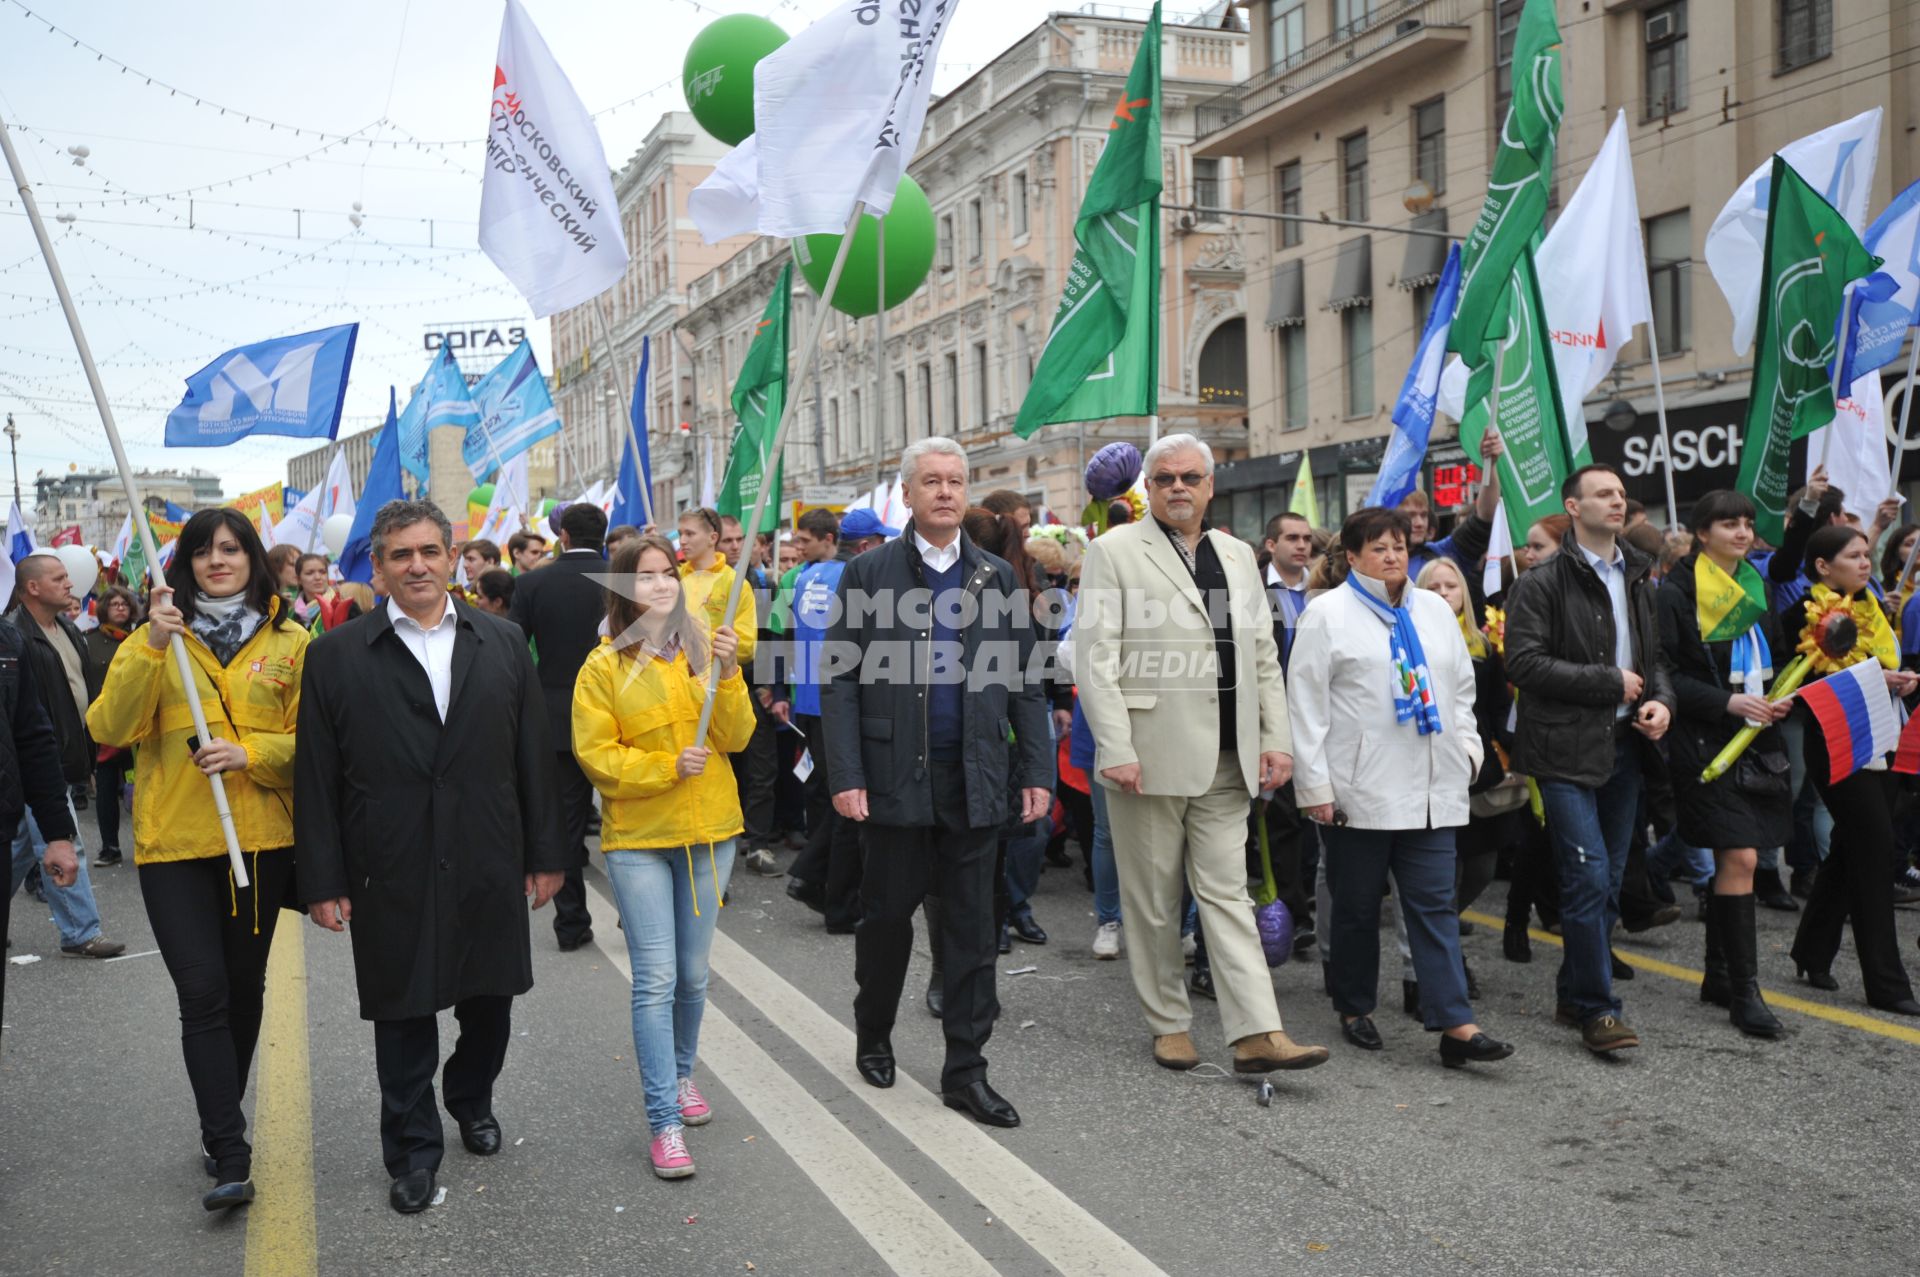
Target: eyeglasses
{"x":1191,"y":479}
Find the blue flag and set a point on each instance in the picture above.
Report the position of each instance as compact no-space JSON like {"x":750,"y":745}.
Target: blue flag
{"x":383,"y":484}
{"x":176,"y":513}
{"x":639,"y":418}
{"x":516,"y":412}
{"x":442,"y":399}
{"x":630,"y":491}
{"x":19,"y":535}
{"x":1413,"y":412}
{"x":292,"y":386}
{"x":1887,"y":302}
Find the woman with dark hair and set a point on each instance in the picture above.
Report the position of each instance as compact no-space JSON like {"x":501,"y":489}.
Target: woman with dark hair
{"x":1724,"y":646}
{"x":283,"y":569}
{"x":1893,"y":559}
{"x":320,"y":607}
{"x":1854,"y":882}
{"x":118,"y":612}
{"x":213,"y":935}
{"x":1380,"y":689}
{"x":636,"y":706}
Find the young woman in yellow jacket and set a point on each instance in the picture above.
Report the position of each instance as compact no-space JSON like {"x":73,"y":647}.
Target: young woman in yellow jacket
{"x":213,"y":935}
{"x":669,"y":813}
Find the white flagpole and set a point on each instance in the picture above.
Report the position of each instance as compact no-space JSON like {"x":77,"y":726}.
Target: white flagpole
{"x":626,"y":402}
{"x":181,"y":661}
{"x":752,"y":525}
{"x":1906,"y":411}
{"x":1839,"y":362}
{"x":880,"y":354}
{"x":1660,"y":412}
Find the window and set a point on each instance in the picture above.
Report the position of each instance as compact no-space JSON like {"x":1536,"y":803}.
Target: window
{"x":1293,"y":377}
{"x":1206,"y":184}
{"x":898,"y":417}
{"x":951,"y":367}
{"x":982,"y":408}
{"x":1017,"y":201}
{"x":1286,"y":199}
{"x":1286,"y":31}
{"x":1430,"y":144}
{"x":1023,"y":345}
{"x":857,"y":425}
{"x":1356,"y":327}
{"x":1423,"y":306}
{"x":1350,"y":17}
{"x":1506,"y":23}
{"x":1353,"y":177}
{"x":976,"y":232}
{"x":1669,"y":278}
{"x":926,"y":400}
{"x":833,"y":428}
{"x":946,"y":241}
{"x":1666,"y":31}
{"x":1806,"y":32}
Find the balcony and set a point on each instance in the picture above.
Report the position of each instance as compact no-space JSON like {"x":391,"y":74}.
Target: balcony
{"x":1399,"y":35}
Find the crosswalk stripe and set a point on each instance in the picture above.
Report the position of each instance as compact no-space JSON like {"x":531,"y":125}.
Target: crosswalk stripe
{"x":907,"y":1233}
{"x":1053,"y":1224}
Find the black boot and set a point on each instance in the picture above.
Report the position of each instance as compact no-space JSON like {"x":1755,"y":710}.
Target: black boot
{"x":1714,"y":988}
{"x":1771,"y":892}
{"x":1747,"y":1010}
{"x":936,"y":999}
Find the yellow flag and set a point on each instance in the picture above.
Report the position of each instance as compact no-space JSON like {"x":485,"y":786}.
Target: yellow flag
{"x":1304,"y":502}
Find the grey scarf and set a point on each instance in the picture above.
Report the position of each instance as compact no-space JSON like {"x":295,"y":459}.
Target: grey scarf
{"x":224,"y":625}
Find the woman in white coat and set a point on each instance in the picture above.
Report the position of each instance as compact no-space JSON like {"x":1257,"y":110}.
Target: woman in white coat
{"x":1380,"y":691}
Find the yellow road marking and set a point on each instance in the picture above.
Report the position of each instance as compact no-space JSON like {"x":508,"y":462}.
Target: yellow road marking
{"x":1778,"y":1001}
{"x":281,"y":1239}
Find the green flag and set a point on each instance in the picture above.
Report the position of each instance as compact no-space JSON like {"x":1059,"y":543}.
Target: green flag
{"x":1102,"y":358}
{"x":1812,"y":254}
{"x":133,"y":568}
{"x":1535,"y":461}
{"x":1304,"y":501}
{"x":758,"y":398}
{"x":1516,"y":203}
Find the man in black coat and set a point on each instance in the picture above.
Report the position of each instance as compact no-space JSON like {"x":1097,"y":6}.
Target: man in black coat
{"x":424,"y":814}
{"x":30,"y":775}
{"x":561,"y":608}
{"x":936,"y":733}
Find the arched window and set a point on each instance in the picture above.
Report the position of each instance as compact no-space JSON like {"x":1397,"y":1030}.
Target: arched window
{"x":1223,"y":365}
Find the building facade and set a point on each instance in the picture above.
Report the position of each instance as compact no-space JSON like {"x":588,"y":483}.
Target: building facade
{"x":96,"y":500}
{"x":1386,"y":113}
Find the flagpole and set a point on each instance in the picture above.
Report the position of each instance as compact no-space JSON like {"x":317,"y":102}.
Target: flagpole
{"x":880,"y":356}
{"x":1906,"y":411}
{"x":235,"y":860}
{"x":789,"y":402}
{"x":1660,"y":412}
{"x":626,"y":400}
{"x":1839,"y":363}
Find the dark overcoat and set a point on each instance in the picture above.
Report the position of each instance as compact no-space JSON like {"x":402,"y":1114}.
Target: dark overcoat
{"x":428,"y":828}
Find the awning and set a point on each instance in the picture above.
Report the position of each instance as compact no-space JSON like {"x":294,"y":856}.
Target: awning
{"x":1288,"y":306}
{"x":1426,"y":254}
{"x":1353,"y":275}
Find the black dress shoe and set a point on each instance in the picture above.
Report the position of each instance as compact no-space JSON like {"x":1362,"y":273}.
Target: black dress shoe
{"x":1621,"y":971}
{"x":1027,"y":929}
{"x":982,"y":1103}
{"x":1818,"y":979}
{"x":1361,"y":1032}
{"x":481,"y":1137}
{"x":1410,"y":997}
{"x":873,"y":1057}
{"x":814,"y":898}
{"x":1478,"y":1049}
{"x":580,"y":941}
{"x":1903,"y":1006}
{"x":412,"y":1192}
{"x":1665,"y":915}
{"x":228,"y":1196}
{"x":1006,"y":941}
{"x":840,"y":928}
{"x":936,"y":999}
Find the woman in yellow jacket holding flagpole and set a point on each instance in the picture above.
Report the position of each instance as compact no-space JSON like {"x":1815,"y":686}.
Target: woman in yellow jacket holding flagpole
{"x":213,"y":935}
{"x":669,"y":814}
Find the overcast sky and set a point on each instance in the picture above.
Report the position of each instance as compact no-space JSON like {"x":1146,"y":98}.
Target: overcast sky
{"x":160,"y":298}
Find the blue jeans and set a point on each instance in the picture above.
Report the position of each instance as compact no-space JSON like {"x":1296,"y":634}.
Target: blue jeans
{"x":1590,"y":830}
{"x":75,"y":916}
{"x":667,"y":946}
{"x":1421,"y":861}
{"x":1106,"y":878}
{"x":1670,"y":852}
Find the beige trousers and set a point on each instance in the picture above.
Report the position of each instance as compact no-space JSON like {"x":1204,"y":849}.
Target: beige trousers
{"x":1157,"y":840}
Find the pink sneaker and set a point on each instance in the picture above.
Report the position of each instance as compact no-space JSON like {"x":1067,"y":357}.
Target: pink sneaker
{"x":693,"y":1105}
{"x":670,"y":1157}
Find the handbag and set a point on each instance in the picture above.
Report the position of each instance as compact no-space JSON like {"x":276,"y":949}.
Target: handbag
{"x":1763,"y":775}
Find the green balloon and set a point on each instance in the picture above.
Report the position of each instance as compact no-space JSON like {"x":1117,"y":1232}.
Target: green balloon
{"x":482,"y":495}
{"x":718,"y":75}
{"x":910,"y":240}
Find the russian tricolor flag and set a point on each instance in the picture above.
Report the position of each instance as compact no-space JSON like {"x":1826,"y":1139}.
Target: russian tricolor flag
{"x":1856,"y":716}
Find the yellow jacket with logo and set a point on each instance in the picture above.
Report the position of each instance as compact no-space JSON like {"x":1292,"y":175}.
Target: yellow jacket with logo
{"x":253,"y":700}
{"x":707,"y":599}
{"x":632,"y":715}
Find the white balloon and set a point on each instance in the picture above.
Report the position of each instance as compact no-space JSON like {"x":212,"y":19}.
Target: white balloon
{"x":333,"y":533}
{"x":82,"y":567}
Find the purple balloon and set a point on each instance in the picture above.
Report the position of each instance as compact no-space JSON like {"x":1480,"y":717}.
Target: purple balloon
{"x":1275,"y":925}
{"x":1112,"y":470}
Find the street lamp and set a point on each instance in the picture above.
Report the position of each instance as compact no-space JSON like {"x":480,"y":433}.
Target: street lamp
{"x":13,"y":447}
{"x":1620,"y":415}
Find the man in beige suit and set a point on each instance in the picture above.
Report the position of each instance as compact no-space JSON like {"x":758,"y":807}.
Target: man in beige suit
{"x":1180,"y":681}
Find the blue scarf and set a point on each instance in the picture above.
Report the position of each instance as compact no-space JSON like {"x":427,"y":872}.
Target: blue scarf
{"x":1412,"y":686}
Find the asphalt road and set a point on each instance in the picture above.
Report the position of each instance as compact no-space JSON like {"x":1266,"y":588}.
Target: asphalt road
{"x":1704,"y":1152}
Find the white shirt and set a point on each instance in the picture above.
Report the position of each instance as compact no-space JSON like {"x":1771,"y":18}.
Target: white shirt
{"x":431,"y":645}
{"x":1613,"y":575}
{"x":939,"y":558}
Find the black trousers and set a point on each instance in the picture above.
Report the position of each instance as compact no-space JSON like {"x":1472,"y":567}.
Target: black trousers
{"x":572,"y":924}
{"x":404,"y":1055}
{"x":1855,"y":882}
{"x":755,"y":770}
{"x":1284,"y":836}
{"x":214,"y":938}
{"x":904,"y":865}
{"x":107,"y":780}
{"x":831,"y":860}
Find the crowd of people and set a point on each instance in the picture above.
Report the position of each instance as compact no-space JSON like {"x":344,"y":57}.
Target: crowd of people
{"x":1261,"y":752}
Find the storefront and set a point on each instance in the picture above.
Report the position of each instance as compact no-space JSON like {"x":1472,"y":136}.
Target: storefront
{"x":1248,"y":493}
